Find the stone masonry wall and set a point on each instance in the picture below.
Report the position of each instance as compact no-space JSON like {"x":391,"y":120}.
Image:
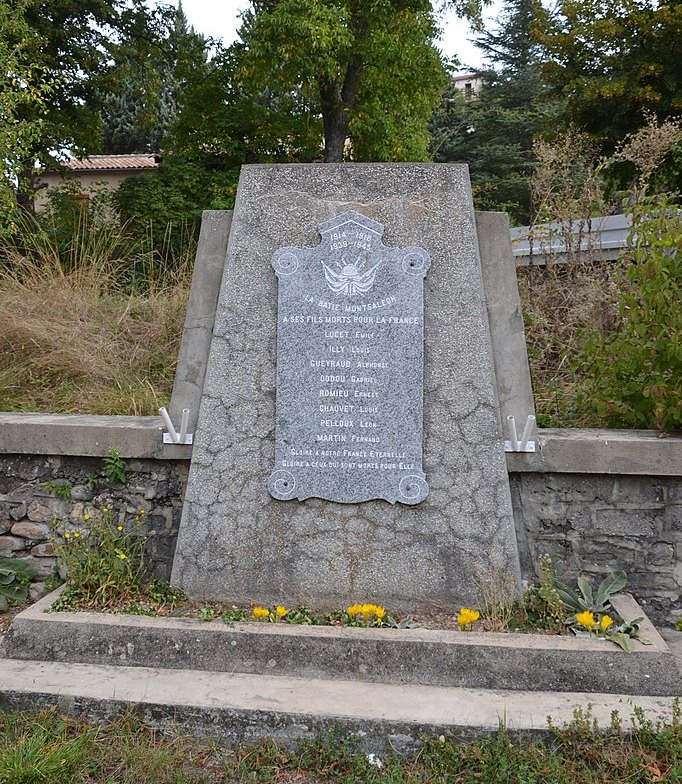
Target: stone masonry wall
{"x":27,"y":508}
{"x":589,"y":523}
{"x":595,"y":523}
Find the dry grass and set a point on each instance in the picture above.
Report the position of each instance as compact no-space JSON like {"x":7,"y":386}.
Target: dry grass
{"x":77,"y":337}
{"x":558,"y":302}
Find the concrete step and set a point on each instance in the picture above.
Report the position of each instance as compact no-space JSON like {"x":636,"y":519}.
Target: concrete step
{"x":237,"y":707}
{"x":415,"y":656}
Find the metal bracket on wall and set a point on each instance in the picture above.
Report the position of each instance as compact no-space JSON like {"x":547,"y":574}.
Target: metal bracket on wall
{"x":172,"y":436}
{"x":523,"y":444}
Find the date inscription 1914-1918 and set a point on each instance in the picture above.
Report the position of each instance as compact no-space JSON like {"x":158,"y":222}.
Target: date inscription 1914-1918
{"x":350,"y":346}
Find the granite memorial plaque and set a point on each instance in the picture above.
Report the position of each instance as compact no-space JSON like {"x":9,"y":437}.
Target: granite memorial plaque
{"x":350,"y":345}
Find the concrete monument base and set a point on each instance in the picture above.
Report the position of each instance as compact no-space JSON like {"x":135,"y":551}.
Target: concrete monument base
{"x":236,"y":540}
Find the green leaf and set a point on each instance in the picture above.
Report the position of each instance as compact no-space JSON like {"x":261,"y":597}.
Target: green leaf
{"x":613,"y":583}
{"x":3,"y":604}
{"x":586,"y":590}
{"x":19,"y":567}
{"x":623,"y":641}
{"x":569,"y":598}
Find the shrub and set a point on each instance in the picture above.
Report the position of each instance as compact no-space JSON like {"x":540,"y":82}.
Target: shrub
{"x":634,"y":371}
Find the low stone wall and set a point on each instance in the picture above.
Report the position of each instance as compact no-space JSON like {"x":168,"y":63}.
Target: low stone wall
{"x":594,"y":524}
{"x":596,"y":501}
{"x":27,"y":508}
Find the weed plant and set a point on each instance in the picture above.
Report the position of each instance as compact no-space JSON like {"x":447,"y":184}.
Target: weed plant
{"x":103,"y":560}
{"x":603,"y":338}
{"x":49,"y":747}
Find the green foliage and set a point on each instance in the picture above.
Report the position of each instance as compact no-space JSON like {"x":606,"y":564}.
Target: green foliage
{"x":586,"y":598}
{"x":102,"y":560}
{"x":61,"y":489}
{"x":493,"y":132}
{"x":206,"y":614}
{"x":25,"y":92}
{"x":678,"y":625}
{"x":147,"y":81}
{"x":634,"y":371}
{"x":15,"y":577}
{"x":542,"y":602}
{"x":68,"y":47}
{"x":170,"y":201}
{"x":612,"y":60}
{"x":114,"y":466}
{"x":369,"y":68}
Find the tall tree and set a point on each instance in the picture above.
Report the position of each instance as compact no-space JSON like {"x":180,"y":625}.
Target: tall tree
{"x":147,"y":80}
{"x":493,"y":131}
{"x":68,"y":44}
{"x":368,"y":66}
{"x":24,"y":101}
{"x":612,"y":59}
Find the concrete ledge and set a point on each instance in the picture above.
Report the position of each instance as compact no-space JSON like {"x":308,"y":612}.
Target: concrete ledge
{"x":418,"y":656}
{"x":86,"y":436}
{"x":635,"y":452}
{"x":595,"y":451}
{"x":239,"y":708}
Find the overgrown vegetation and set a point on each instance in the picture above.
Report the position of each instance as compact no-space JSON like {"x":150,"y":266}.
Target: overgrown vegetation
{"x":50,"y":747}
{"x":90,"y":317}
{"x":604,"y":337}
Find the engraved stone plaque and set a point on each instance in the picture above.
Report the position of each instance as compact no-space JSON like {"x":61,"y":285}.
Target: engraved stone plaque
{"x":350,"y":343}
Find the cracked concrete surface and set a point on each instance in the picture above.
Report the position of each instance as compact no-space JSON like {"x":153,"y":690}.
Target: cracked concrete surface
{"x":238,"y":543}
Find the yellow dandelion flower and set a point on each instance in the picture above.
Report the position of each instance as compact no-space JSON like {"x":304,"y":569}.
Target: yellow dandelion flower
{"x":77,"y":534}
{"x":104,"y":509}
{"x":67,"y":535}
{"x":86,"y":517}
{"x":121,"y":554}
{"x":606,"y":621}
{"x":119,"y":527}
{"x":260,"y":613}
{"x":466,"y":617}
{"x":368,"y":610}
{"x":354,"y":609}
{"x":380,"y":612}
{"x":281,"y":611}
{"x":586,"y":619}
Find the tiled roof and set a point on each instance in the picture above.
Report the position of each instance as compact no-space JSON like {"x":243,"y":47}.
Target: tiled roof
{"x":112,"y":163}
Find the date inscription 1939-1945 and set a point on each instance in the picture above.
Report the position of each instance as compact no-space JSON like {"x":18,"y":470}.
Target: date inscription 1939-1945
{"x":350,"y":344}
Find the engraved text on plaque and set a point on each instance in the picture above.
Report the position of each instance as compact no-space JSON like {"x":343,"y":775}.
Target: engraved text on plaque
{"x":350,"y":344}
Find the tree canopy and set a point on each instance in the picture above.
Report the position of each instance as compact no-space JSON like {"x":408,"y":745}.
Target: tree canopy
{"x":368,"y":67}
{"x":493,"y":131}
{"x":613,"y":59}
{"x":147,"y":80}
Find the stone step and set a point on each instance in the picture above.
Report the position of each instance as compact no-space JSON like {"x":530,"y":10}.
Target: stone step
{"x":238,"y":707}
{"x":392,"y":656}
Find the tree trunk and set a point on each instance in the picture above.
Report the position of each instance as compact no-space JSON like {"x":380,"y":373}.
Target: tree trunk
{"x":337,"y":103}
{"x":25,"y":193}
{"x":334,"y":121}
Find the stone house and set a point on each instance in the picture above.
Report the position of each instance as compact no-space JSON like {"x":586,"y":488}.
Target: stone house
{"x":94,"y":173}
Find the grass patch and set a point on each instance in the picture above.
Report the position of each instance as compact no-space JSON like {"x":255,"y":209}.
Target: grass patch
{"x":92,"y":329}
{"x":54,"y":748}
